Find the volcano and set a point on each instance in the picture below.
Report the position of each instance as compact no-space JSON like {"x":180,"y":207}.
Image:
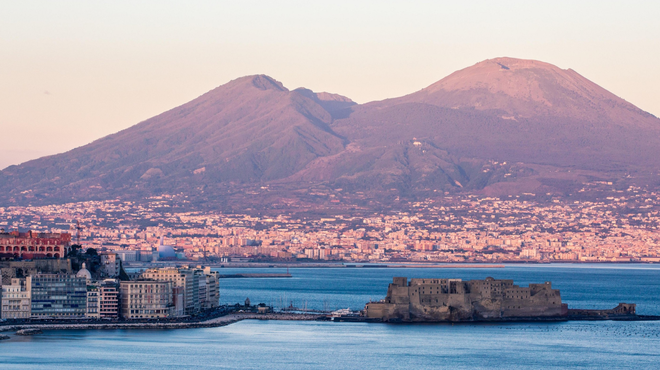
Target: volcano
{"x":504,"y":125}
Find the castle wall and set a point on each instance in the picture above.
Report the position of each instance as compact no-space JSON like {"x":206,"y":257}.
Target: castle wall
{"x":456,"y":300}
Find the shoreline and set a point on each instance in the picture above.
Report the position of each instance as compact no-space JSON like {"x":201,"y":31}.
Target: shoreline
{"x":385,"y":265}
{"x":237,"y":317}
{"x":211,"y":323}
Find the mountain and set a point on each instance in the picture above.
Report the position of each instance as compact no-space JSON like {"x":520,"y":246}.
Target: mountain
{"x":499,"y":127}
{"x":551,"y":126}
{"x":527,"y":89}
{"x":252,"y":129}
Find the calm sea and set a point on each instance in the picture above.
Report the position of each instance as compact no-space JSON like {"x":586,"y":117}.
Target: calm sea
{"x":305,"y":345}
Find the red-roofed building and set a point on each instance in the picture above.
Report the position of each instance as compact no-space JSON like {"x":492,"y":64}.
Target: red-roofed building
{"x":34,"y":245}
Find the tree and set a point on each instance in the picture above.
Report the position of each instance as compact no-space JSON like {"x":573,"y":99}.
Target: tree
{"x":75,"y":248}
{"x":91,"y":252}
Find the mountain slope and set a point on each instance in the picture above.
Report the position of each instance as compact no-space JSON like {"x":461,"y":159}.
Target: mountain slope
{"x":501,"y":126}
{"x":515,"y":111}
{"x":249,"y":130}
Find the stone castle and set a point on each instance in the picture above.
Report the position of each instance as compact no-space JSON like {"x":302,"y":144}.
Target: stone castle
{"x":429,"y":300}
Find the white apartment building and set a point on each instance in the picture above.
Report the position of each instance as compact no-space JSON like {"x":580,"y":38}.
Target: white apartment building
{"x":16,"y":300}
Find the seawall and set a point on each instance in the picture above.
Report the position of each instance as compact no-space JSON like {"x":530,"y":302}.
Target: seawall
{"x":212,"y":323}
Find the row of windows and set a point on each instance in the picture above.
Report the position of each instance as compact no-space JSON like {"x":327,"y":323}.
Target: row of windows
{"x":78,"y":281}
{"x":15,"y":308}
{"x":42,"y":290}
{"x":21,"y":295}
{"x":155,"y":305}
{"x":59,"y":297}
{"x":17,"y":314}
{"x":39,"y":241}
{"x":148,"y":311}
{"x":9,"y":248}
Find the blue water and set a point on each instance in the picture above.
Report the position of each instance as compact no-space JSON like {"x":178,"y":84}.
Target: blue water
{"x":316,"y":345}
{"x":582,"y":286}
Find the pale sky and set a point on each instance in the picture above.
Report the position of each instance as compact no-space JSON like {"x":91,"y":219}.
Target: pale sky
{"x":74,"y":71}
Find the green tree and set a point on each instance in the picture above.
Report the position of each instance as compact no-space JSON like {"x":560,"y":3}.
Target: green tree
{"x":75,"y":249}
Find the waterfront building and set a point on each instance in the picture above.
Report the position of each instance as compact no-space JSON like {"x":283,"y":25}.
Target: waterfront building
{"x":34,"y":245}
{"x":109,"y":299}
{"x":192,"y":291}
{"x":178,"y":301}
{"x":212,"y":292}
{"x":92,"y":301}
{"x":16,"y":300}
{"x":58,"y":295}
{"x":200,"y":287}
{"x":103,"y":299}
{"x":146,"y":299}
{"x":183,"y":278}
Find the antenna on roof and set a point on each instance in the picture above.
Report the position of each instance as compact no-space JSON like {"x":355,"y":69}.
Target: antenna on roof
{"x":78,"y":230}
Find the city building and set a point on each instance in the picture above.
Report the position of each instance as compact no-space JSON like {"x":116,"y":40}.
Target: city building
{"x":183,"y":278}
{"x":110,"y":264}
{"x":16,"y":300}
{"x":146,"y":299}
{"x":58,"y":295}
{"x":34,"y":245}
{"x":178,"y":301}
{"x":109,"y":298}
{"x":92,"y":301}
{"x":165,"y":251}
{"x":200,"y":287}
{"x":212,"y":289}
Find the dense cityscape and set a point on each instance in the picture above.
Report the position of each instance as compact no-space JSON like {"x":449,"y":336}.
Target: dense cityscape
{"x":622,"y":226}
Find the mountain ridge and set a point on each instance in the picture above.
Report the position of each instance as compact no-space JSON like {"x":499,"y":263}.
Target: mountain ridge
{"x":554,"y":128}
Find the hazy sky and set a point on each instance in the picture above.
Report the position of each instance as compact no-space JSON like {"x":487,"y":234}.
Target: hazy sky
{"x":74,"y":71}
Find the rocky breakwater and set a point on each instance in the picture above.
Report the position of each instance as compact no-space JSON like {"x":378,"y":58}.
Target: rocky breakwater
{"x":29,"y":332}
{"x":211,"y":323}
